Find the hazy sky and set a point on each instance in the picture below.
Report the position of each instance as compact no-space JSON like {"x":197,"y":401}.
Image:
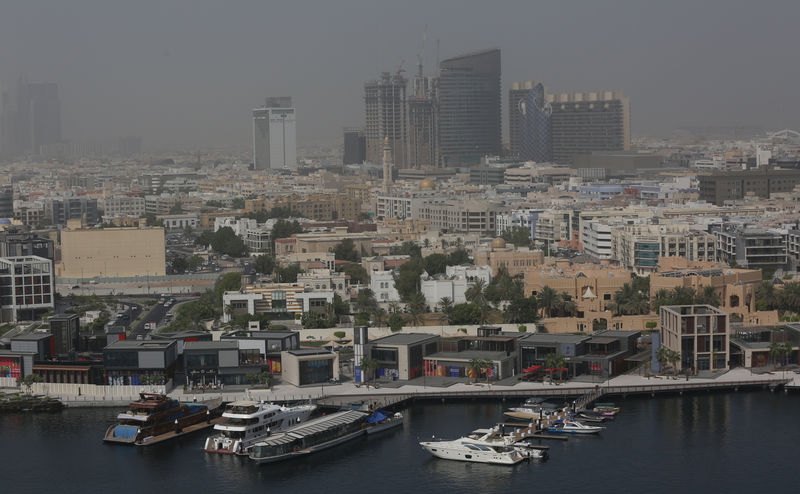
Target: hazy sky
{"x":189,"y":72}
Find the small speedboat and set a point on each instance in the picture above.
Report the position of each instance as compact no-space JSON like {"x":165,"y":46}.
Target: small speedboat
{"x":591,"y":415}
{"x":607,"y":409}
{"x":572,"y":427}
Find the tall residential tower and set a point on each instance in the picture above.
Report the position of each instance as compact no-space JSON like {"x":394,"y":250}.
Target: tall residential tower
{"x":274,"y":135}
{"x":386,"y":116}
{"x":469,"y":107}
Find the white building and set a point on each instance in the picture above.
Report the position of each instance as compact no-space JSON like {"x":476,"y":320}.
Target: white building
{"x":178,"y":221}
{"x":382,"y":285}
{"x":393,"y":206}
{"x":274,"y":135}
{"x":518,"y":218}
{"x":239,"y":226}
{"x":453,"y":284}
{"x":325,"y":279}
{"x":259,"y":239}
{"x":596,"y":239}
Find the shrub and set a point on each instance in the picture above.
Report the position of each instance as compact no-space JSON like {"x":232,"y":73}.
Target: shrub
{"x":522,"y":329}
{"x":463,"y":330}
{"x":651,"y":325}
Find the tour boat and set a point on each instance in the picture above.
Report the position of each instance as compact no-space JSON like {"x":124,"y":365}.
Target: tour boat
{"x":464,"y":449}
{"x":310,"y":437}
{"x":246,"y":422}
{"x":571,"y":427}
{"x":381,"y":421}
{"x":156,"y":417}
{"x":493,"y":437}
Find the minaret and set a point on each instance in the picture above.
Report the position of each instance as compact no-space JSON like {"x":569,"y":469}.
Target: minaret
{"x":387,"y":165}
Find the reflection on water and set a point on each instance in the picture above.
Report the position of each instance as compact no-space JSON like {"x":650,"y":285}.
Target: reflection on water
{"x":710,"y":442}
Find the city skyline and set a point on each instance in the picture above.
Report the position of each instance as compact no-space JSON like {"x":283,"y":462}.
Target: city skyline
{"x":205,"y":85}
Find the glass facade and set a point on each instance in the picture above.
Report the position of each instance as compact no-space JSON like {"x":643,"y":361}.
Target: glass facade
{"x":316,"y":371}
{"x":534,"y":122}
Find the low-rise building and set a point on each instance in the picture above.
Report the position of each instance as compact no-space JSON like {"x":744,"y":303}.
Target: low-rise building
{"x":264,"y":347}
{"x":752,"y":247}
{"x":217,"y":362}
{"x":135,"y":362}
{"x":382,"y":285}
{"x":638,"y":247}
{"x":401,"y":356}
{"x":179,"y":221}
{"x":699,"y":333}
{"x":26,"y":287}
{"x":306,"y":366}
{"x":514,"y":260}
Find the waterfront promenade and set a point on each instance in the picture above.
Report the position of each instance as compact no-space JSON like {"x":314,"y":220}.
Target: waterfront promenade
{"x":385,"y":395}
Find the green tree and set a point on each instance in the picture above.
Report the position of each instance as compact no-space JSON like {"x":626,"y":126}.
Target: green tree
{"x":287,"y":274}
{"x":151,"y":220}
{"x":356,"y":272}
{"x":284,"y":229}
{"x":468,"y":313}
{"x":365,"y":301}
{"x":555,"y":362}
{"x":766,"y":298}
{"x":406,"y":278}
{"x":457,"y":257}
{"x":346,"y":251}
{"x":225,"y":241}
{"x":520,"y":236}
{"x":264,"y":264}
{"x":339,"y":335}
{"x":340,"y":307}
{"x":29,"y":380}
{"x":476,"y":367}
{"x":523,"y":310}
{"x":396,"y":322}
{"x":379,"y":316}
{"x":628,"y":301}
{"x":237,"y":203}
{"x":230,"y":282}
{"x":435,"y":264}
{"x":176,"y":208}
{"x":408,"y":248}
{"x":179,"y":264}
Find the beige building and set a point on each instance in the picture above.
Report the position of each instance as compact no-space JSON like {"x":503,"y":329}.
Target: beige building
{"x":323,"y":242}
{"x":112,"y":252}
{"x":320,"y":207}
{"x":516,"y":261}
{"x":699,"y":333}
{"x":306,"y":366}
{"x":591,"y":286}
{"x":638,"y":247}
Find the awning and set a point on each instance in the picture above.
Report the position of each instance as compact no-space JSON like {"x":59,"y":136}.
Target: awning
{"x":532,"y":368}
{"x":554,"y":369}
{"x":602,"y":340}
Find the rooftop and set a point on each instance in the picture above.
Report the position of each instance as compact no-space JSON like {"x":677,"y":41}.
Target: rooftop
{"x":140,"y":345}
{"x":554,"y":338}
{"x":210,"y":345}
{"x":467,"y":355}
{"x":404,"y":339}
{"x":31,"y":337}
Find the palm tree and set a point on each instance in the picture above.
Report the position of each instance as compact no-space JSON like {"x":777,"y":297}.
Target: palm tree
{"x":476,"y":366}
{"x":766,"y":299}
{"x":476,"y":292}
{"x":566,"y":306}
{"x":426,"y":243}
{"x":369,"y":365}
{"x":394,"y":307}
{"x":662,"y":357}
{"x":789,"y":297}
{"x":554,"y":361}
{"x":661,"y":298}
{"x":682,"y":295}
{"x":485,"y":311}
{"x":487,"y":365}
{"x":787,"y":352}
{"x":775,"y":352}
{"x":548,"y":300}
{"x":416,"y":307}
{"x":709,"y":296}
{"x":365,"y":301}
{"x":674,"y":359}
{"x":629,"y":301}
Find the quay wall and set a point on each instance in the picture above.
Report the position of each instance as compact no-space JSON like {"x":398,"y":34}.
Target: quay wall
{"x":8,"y":382}
{"x":97,"y":391}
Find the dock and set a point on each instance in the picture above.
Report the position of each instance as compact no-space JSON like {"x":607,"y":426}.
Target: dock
{"x":149,"y":441}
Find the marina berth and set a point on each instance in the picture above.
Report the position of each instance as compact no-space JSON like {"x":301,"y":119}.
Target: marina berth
{"x":246,"y":422}
{"x":313,"y":436}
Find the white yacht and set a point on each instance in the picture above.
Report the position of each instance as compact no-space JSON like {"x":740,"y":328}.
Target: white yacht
{"x":571,"y":427}
{"x":465,"y":449}
{"x":246,"y":422}
{"x":493,"y":437}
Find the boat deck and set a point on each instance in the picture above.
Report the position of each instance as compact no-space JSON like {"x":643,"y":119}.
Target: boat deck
{"x":186,"y":430}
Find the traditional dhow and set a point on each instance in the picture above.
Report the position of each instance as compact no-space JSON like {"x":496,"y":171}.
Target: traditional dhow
{"x":246,"y":422}
{"x":310,"y":437}
{"x":157,"y":417}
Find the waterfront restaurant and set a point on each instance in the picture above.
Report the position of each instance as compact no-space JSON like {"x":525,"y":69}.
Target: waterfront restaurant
{"x":264,"y":346}
{"x":134,"y":362}
{"x":211,"y":363}
{"x":457,"y":364}
{"x":306,"y":366}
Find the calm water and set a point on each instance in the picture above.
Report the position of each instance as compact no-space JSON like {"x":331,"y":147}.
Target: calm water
{"x":737,"y":442}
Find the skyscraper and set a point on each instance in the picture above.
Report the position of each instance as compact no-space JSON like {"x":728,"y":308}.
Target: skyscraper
{"x":274,"y":135}
{"x":30,"y":119}
{"x":586,"y":122}
{"x":469,"y":107}
{"x":530,"y":122}
{"x":423,"y":142}
{"x":386,"y":116}
{"x":355,"y":146}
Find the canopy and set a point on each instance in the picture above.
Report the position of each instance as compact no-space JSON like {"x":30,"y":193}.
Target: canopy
{"x":532,"y":368}
{"x":556,"y":369}
{"x":376,"y":417}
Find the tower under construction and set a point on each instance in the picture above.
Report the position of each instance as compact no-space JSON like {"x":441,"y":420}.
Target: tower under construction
{"x":386,"y":116}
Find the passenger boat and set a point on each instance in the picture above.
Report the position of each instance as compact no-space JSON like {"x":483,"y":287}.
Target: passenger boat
{"x":572,"y":427}
{"x":156,"y":417}
{"x":310,"y":437}
{"x":381,"y":421}
{"x":463,"y":449}
{"x":493,"y":437}
{"x":246,"y":422}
